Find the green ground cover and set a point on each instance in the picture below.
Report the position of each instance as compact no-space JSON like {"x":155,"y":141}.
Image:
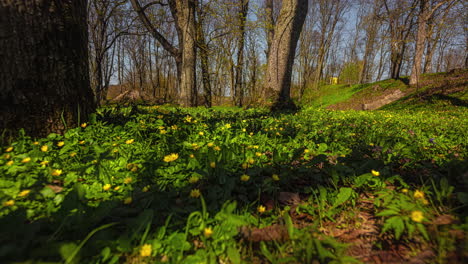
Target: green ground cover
{"x":162,"y":184}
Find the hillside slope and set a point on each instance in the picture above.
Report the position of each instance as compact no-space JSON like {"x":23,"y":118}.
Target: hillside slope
{"x":436,"y":91}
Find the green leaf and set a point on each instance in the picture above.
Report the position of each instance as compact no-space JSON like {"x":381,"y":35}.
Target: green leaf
{"x":233,"y":254}
{"x":343,"y":196}
{"x":387,"y":213}
{"x":67,"y":249}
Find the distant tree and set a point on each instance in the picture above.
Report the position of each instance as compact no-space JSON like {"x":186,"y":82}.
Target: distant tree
{"x":183,"y":14}
{"x":44,"y":73}
{"x":281,"y":54}
{"x":105,"y":28}
{"x":426,"y":11}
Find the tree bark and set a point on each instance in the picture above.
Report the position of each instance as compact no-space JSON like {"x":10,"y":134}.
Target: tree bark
{"x":44,"y":67}
{"x":420,"y":42}
{"x":183,"y":12}
{"x":239,"y":87}
{"x":281,"y":56}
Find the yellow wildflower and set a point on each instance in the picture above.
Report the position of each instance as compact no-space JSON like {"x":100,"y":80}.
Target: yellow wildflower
{"x":44,"y":163}
{"x":404,"y":190}
{"x":60,"y":144}
{"x":145,"y":250}
{"x":162,"y":131}
{"x":251,"y":161}
{"x":84,"y":125}
{"x":195,"y":193}
{"x":9,"y":149}
{"x":129,"y":141}
{"x":244,"y":177}
{"x":36,"y":143}
{"x":106,"y":187}
{"x":255,"y":146}
{"x":26,"y":160}
{"x":73,"y":154}
{"x":228,"y":125}
{"x":424,"y":201}
{"x":417,"y":216}
{"x":418,"y":194}
{"x":217,"y":148}
{"x":7,"y":156}
{"x":9,"y":203}
{"x":81,"y":142}
{"x":375,"y":173}
{"x":258,"y":154}
{"x":306,"y":151}
{"x":245,"y":165}
{"x":261,"y":209}
{"x":56,"y":172}
{"x":171,"y":157}
{"x":117,"y":188}
{"x":24,"y":193}
{"x":207,"y":232}
{"x":275,"y":177}
{"x":213,"y":164}
{"x":211,"y":144}
{"x":128,"y":180}
{"x":192,"y":156}
{"x":128,"y":200}
{"x":44,"y":148}
{"x":201,"y":133}
{"x":194,"y":179}
{"x":146,"y":188}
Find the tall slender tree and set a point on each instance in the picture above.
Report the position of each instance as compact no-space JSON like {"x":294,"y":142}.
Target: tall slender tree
{"x":44,"y":73}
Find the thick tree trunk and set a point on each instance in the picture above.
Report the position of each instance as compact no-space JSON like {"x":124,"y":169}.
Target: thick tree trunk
{"x":44,"y":73}
{"x":185,"y":22}
{"x":281,"y":56}
{"x":420,"y":43}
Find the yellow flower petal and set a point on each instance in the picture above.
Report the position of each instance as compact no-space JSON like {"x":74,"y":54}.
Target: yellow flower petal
{"x":145,"y":250}
{"x":207,"y":232}
{"x":24,"y":193}
{"x":417,"y":216}
{"x":261,"y":209}
{"x":195,"y":193}
{"x":418,"y":194}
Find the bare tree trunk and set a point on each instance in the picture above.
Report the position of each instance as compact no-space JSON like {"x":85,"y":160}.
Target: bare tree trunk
{"x":203,"y":48}
{"x":270,"y":24}
{"x":420,"y":42}
{"x":281,"y":57}
{"x":184,"y":15}
{"x":239,"y":87}
{"x":44,"y":65}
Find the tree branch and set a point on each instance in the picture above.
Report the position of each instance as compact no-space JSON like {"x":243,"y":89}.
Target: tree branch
{"x":154,"y":32}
